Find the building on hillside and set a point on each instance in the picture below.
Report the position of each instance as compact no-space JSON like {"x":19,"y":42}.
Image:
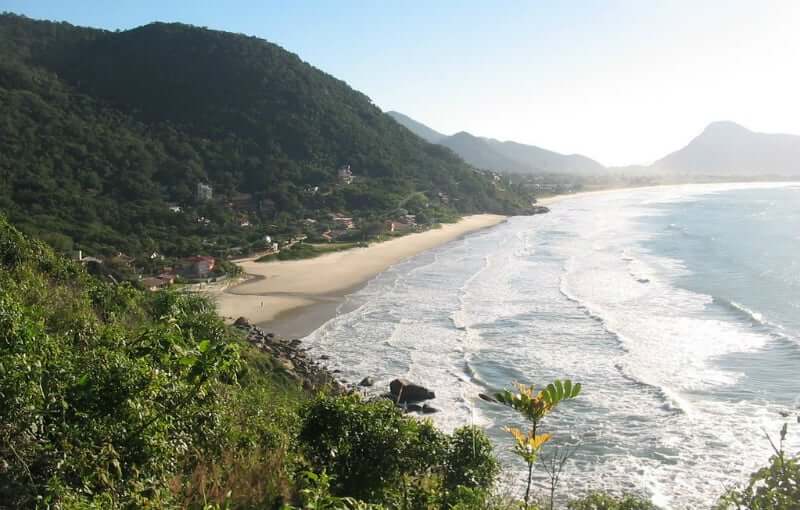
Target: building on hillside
{"x":345,"y":175}
{"x":155,"y":283}
{"x":240,"y":201}
{"x":175,"y":208}
{"x":87,"y":260}
{"x":399,"y":227}
{"x":204,"y":192}
{"x":200,"y":266}
{"x":341,"y":221}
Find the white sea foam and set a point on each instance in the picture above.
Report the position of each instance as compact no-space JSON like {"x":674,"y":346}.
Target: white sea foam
{"x":575,"y":293}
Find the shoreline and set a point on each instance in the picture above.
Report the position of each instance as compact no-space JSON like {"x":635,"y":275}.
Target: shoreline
{"x":293,"y":298}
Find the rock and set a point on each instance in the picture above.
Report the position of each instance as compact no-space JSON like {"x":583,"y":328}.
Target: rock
{"x":270,"y":336}
{"x":367,"y":381}
{"x":406,"y":391}
{"x":487,"y":398}
{"x":412,"y":408}
{"x":324,"y":357}
{"x":426,"y":409}
{"x":242,"y":322}
{"x":295,"y":343}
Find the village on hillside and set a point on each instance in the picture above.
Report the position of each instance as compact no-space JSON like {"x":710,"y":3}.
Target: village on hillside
{"x":238,"y":226}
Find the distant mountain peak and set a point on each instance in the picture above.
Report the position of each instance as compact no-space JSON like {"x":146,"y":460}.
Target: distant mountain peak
{"x":724,"y":127}
{"x":727,"y":149}
{"x":503,"y":156}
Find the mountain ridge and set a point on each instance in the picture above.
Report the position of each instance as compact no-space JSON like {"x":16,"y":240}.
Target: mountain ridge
{"x":728,"y":149}
{"x":503,"y":156}
{"x":105,"y":133}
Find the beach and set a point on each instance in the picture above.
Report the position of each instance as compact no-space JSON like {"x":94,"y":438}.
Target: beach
{"x":293,"y":298}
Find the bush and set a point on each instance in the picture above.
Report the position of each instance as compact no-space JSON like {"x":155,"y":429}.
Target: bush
{"x":774,"y":487}
{"x":373,"y":452}
{"x":366,"y":446}
{"x":601,"y":501}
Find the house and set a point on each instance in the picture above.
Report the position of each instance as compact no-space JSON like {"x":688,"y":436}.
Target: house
{"x":345,"y":222}
{"x":399,"y":227}
{"x":240,"y":201}
{"x":200,"y":265}
{"x":311,"y":190}
{"x":167,"y":277}
{"x":408,"y":219}
{"x":155,"y":283}
{"x":345,"y":175}
{"x":122,"y":259}
{"x":175,"y":208}
{"x":204,"y":192}
{"x":87,"y":260}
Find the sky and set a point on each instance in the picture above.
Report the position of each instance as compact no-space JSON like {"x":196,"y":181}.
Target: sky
{"x":623,"y":82}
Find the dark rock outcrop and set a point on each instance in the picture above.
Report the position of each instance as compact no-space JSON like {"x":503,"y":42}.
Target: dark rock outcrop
{"x":292,"y":359}
{"x":403,"y":391}
{"x":426,"y":409}
{"x":367,"y":382}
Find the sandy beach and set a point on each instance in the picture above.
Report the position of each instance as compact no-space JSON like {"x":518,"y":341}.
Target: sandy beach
{"x":292,"y":298}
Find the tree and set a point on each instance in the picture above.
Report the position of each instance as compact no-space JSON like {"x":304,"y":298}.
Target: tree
{"x":534,"y":407}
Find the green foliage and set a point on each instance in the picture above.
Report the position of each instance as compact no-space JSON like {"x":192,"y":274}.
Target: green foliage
{"x":534,"y":407}
{"x":366,"y":446}
{"x":374,"y":452}
{"x":602,"y":501}
{"x":102,"y":131}
{"x":470,"y":461}
{"x":106,"y":392}
{"x":774,"y":487}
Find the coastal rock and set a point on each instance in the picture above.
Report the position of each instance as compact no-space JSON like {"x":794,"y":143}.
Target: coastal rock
{"x":426,"y":409}
{"x":412,"y":408}
{"x":367,"y":381}
{"x":405,"y":391}
{"x":295,"y":343}
{"x":242,"y":322}
{"x":487,"y":398}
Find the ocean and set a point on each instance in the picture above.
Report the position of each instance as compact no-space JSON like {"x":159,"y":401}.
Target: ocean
{"x":677,"y":308}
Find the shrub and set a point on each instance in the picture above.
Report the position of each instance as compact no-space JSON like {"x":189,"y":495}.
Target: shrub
{"x":365,"y":446}
{"x":773,"y":487}
{"x":601,"y":501}
{"x":373,"y":452}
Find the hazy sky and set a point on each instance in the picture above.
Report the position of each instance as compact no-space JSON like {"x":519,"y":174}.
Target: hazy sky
{"x":620,"y":81}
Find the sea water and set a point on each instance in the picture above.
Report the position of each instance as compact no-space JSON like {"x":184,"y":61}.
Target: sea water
{"x":677,"y":308}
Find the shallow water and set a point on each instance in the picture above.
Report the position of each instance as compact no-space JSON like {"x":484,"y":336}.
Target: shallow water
{"x":677,"y":308}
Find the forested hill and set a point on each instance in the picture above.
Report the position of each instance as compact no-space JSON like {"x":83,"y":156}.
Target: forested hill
{"x":102,"y":132}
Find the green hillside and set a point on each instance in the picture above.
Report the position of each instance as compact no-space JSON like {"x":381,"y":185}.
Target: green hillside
{"x":103,"y":131}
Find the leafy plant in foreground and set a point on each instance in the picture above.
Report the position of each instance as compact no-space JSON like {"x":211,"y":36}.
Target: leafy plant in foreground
{"x":774,"y":487}
{"x":534,"y":407}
